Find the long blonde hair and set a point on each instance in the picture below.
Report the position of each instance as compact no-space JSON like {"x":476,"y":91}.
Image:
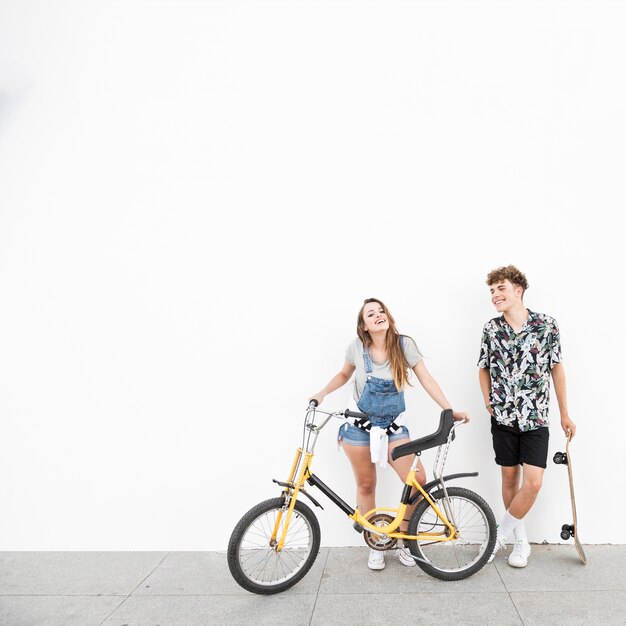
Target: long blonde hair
{"x":393,"y":345}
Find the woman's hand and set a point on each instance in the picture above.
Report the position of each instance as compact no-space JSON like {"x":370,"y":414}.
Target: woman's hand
{"x":318,"y":397}
{"x":460,"y":416}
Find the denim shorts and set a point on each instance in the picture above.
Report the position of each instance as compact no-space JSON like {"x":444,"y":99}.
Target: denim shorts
{"x":354,"y":436}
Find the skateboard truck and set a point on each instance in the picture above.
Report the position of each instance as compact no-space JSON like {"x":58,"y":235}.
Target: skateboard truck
{"x":560,"y":458}
{"x":567,"y":531}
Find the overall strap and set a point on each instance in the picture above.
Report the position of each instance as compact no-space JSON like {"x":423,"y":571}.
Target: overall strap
{"x":365,"y":425}
{"x":367,"y":361}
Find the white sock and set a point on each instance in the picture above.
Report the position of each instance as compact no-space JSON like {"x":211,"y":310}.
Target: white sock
{"x":520,"y":532}
{"x":507,"y":526}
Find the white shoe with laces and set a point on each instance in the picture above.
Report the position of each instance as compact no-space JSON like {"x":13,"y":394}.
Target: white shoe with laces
{"x":404,"y":556}
{"x":519,"y":555}
{"x":376,"y":559}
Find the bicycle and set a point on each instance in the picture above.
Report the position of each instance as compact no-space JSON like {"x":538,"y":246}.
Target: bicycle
{"x":451,"y":532}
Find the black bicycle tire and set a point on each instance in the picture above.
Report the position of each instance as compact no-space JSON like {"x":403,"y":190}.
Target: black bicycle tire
{"x":414,"y":545}
{"x":238,"y":535}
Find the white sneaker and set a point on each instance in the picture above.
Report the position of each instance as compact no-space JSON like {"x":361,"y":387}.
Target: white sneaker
{"x":500,"y":543}
{"x":376,"y":560}
{"x":404,"y":556}
{"x":519,"y":555}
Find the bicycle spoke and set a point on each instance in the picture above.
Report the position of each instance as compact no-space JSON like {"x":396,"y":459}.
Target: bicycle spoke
{"x":261,"y":562}
{"x":472,"y":535}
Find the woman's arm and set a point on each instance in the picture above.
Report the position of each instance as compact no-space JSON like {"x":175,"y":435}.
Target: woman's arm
{"x":338,"y":380}
{"x":434,"y":391}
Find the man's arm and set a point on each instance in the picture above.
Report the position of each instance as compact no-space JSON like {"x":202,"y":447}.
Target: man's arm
{"x":485,"y":386}
{"x":558,"y":376}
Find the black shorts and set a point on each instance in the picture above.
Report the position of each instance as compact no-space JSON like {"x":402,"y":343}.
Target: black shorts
{"x":513,"y":447}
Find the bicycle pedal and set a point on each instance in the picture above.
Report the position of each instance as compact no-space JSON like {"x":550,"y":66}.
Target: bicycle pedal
{"x":357,"y":527}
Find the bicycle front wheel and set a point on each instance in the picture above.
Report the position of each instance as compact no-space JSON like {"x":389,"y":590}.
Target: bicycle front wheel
{"x":476,"y":534}
{"x":253,"y":559}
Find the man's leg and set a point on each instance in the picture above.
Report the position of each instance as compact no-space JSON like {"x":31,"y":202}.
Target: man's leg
{"x":510,"y":488}
{"x":534,"y":454}
{"x":531,"y":484}
{"x":510,"y":483}
{"x":509,"y":451}
{"x":513,"y":522}
{"x":506,"y":445}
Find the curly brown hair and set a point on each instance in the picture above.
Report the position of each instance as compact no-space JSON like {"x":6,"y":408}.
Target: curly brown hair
{"x":507,"y":272}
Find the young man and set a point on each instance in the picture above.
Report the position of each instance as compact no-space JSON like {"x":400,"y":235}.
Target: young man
{"x":520,"y":349}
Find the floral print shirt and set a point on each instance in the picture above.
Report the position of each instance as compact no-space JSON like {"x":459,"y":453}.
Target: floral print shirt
{"x":519,"y":367}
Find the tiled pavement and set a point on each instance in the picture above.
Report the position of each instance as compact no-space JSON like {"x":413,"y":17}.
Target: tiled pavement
{"x":195,"y":588}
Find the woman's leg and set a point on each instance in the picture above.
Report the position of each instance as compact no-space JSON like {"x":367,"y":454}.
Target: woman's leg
{"x":364,"y":474}
{"x":402,"y":467}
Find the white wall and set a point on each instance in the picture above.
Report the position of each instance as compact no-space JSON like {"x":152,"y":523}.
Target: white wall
{"x":195,"y":197}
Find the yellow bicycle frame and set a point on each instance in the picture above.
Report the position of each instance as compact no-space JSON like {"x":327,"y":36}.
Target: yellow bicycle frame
{"x":293,"y":488}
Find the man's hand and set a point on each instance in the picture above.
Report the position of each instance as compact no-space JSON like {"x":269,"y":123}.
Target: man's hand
{"x":568,"y":426}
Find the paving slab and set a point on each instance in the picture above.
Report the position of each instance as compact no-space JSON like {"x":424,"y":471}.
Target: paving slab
{"x":206,"y":573}
{"x":159,"y":588}
{"x":230,"y":610}
{"x":558,"y":568}
{"x":75,"y":573}
{"x":571,"y":607}
{"x":493,"y":609}
{"x":346,"y":572}
{"x":56,"y":610}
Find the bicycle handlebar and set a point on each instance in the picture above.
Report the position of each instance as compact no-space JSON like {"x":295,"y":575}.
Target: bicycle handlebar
{"x":347,"y":413}
{"x":355,"y":414}
{"x":344,"y":415}
{"x":312,"y":410}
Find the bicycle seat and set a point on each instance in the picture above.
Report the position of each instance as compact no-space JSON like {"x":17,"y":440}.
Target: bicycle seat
{"x":430,"y":441}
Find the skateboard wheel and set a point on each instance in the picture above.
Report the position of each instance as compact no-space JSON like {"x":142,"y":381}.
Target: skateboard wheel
{"x":565,"y":535}
{"x":558,"y":458}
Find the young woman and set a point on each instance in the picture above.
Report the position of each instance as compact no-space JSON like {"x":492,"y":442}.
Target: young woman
{"x":381,"y":358}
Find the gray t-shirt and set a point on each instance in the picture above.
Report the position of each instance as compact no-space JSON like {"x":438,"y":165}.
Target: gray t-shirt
{"x":354,"y":355}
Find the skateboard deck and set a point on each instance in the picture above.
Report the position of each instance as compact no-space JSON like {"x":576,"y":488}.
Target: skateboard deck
{"x":570,"y":530}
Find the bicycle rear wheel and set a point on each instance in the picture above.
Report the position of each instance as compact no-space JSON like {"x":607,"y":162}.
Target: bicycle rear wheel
{"x":252,"y":559}
{"x":476,"y":535}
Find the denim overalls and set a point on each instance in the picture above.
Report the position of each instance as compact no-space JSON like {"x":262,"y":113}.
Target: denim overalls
{"x":380,"y":399}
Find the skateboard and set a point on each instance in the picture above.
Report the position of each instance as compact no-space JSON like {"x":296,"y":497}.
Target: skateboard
{"x":570,"y":530}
